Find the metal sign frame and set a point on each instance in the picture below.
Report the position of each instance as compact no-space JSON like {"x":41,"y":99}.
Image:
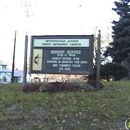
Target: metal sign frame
{"x":49,"y":54}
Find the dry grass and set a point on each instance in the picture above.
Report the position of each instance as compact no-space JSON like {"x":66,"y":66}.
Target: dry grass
{"x":102,"y":110}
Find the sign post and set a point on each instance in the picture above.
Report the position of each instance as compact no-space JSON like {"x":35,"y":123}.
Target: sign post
{"x":13,"y":63}
{"x":62,"y":54}
{"x":98,"y":60}
{"x":25,"y":60}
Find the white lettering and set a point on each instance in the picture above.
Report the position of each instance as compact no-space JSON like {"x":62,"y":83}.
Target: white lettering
{"x":51,"y":61}
{"x":76,"y":58}
{"x":76,"y":65}
{"x":72,"y":54}
{"x":60,"y":54}
{"x":56,"y":58}
{"x":66,"y":58}
{"x":83,"y":62}
{"x":57,"y":51}
{"x":67,"y":68}
{"x":64,"y":65}
{"x":73,"y":51}
{"x":60,"y":68}
{"x":77,"y":62}
{"x":67,"y":62}
{"x":55,"y":65}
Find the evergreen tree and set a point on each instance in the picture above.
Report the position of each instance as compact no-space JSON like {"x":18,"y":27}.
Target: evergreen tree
{"x":119,"y":49}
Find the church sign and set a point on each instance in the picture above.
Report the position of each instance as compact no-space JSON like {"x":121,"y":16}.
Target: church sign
{"x":62,"y":54}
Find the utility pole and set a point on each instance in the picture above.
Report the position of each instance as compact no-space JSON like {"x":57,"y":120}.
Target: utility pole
{"x":25,"y":60}
{"x":13,"y":64}
{"x":98,"y":60}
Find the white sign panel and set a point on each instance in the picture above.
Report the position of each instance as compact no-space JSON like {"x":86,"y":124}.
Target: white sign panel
{"x":37,"y":59}
{"x":61,"y":42}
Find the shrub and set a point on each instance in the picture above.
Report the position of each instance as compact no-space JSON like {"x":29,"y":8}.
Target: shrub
{"x":93,"y":83}
{"x":110,"y":70}
{"x":65,"y":86}
{"x":31,"y":87}
{"x":114,"y":69}
{"x":48,"y":87}
{"x":87,"y":87}
{"x":58,"y":87}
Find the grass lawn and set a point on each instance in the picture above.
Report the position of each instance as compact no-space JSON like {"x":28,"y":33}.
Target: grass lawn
{"x":101,"y":110}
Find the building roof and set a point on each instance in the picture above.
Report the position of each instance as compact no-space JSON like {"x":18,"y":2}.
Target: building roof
{"x":2,"y":63}
{"x":5,"y":71}
{"x":18,"y":73}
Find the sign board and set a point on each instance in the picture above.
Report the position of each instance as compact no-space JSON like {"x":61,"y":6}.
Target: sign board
{"x":62,"y":54}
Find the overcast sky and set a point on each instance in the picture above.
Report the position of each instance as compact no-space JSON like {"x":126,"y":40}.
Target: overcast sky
{"x":49,"y":17}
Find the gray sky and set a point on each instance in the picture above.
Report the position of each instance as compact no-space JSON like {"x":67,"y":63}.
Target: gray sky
{"x":49,"y":17}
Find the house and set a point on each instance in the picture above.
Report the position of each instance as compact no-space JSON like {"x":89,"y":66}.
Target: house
{"x":4,"y":73}
{"x":18,"y":76}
